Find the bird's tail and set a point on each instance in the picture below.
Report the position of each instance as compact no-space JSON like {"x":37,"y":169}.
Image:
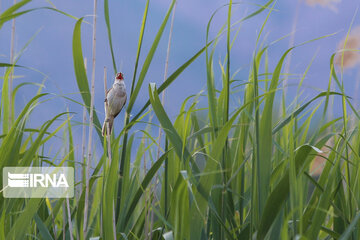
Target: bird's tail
{"x":109,"y":120}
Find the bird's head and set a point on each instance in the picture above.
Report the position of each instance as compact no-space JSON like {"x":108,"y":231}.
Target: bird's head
{"x":119,"y":77}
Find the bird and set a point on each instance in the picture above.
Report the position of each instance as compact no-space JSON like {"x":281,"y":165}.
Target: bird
{"x":114,"y":101}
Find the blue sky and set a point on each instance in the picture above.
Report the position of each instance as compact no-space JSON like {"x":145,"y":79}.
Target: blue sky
{"x":51,"y":51}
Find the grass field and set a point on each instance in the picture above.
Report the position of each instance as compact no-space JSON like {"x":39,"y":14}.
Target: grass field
{"x":223,"y":171}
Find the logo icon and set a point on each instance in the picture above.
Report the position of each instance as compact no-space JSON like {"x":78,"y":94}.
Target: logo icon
{"x":18,"y":180}
{"x":38,"y":182}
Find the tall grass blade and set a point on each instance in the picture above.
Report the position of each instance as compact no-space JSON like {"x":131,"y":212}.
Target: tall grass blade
{"x":265,"y":148}
{"x":80,"y":73}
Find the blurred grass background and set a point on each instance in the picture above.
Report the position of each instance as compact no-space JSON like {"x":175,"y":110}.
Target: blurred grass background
{"x":241,"y":159}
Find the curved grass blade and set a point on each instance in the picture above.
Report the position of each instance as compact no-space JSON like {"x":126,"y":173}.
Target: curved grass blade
{"x":26,"y":161}
{"x":180,"y":214}
{"x":147,"y":179}
{"x":9,"y":145}
{"x":107,"y":20}
{"x":11,"y":10}
{"x":300,"y":109}
{"x":350,"y":228}
{"x":148,"y":59}
{"x":277,"y":197}
{"x":14,"y":7}
{"x":22,"y":223}
{"x":264,"y":143}
{"x":8,"y":17}
{"x":141,"y":36}
{"x":170,"y":80}
{"x":80,"y":74}
{"x":169,"y":128}
{"x":9,"y":65}
{"x":44,"y":232}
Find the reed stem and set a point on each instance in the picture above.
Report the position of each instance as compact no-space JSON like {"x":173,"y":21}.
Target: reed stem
{"x":89,"y":154}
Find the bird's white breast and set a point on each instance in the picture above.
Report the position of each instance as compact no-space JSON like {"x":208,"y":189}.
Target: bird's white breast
{"x":116,"y":97}
{"x":119,"y":88}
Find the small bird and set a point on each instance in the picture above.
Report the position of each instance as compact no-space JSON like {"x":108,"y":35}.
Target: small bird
{"x":115,"y":101}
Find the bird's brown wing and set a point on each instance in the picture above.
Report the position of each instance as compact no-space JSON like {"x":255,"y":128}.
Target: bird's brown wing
{"x":107,"y":94}
{"x":122,"y":106}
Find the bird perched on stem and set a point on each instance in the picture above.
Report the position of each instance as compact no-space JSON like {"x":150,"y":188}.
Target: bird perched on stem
{"x":114,"y":102}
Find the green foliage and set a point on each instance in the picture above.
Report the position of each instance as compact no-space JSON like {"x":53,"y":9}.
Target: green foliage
{"x":229,"y":170}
